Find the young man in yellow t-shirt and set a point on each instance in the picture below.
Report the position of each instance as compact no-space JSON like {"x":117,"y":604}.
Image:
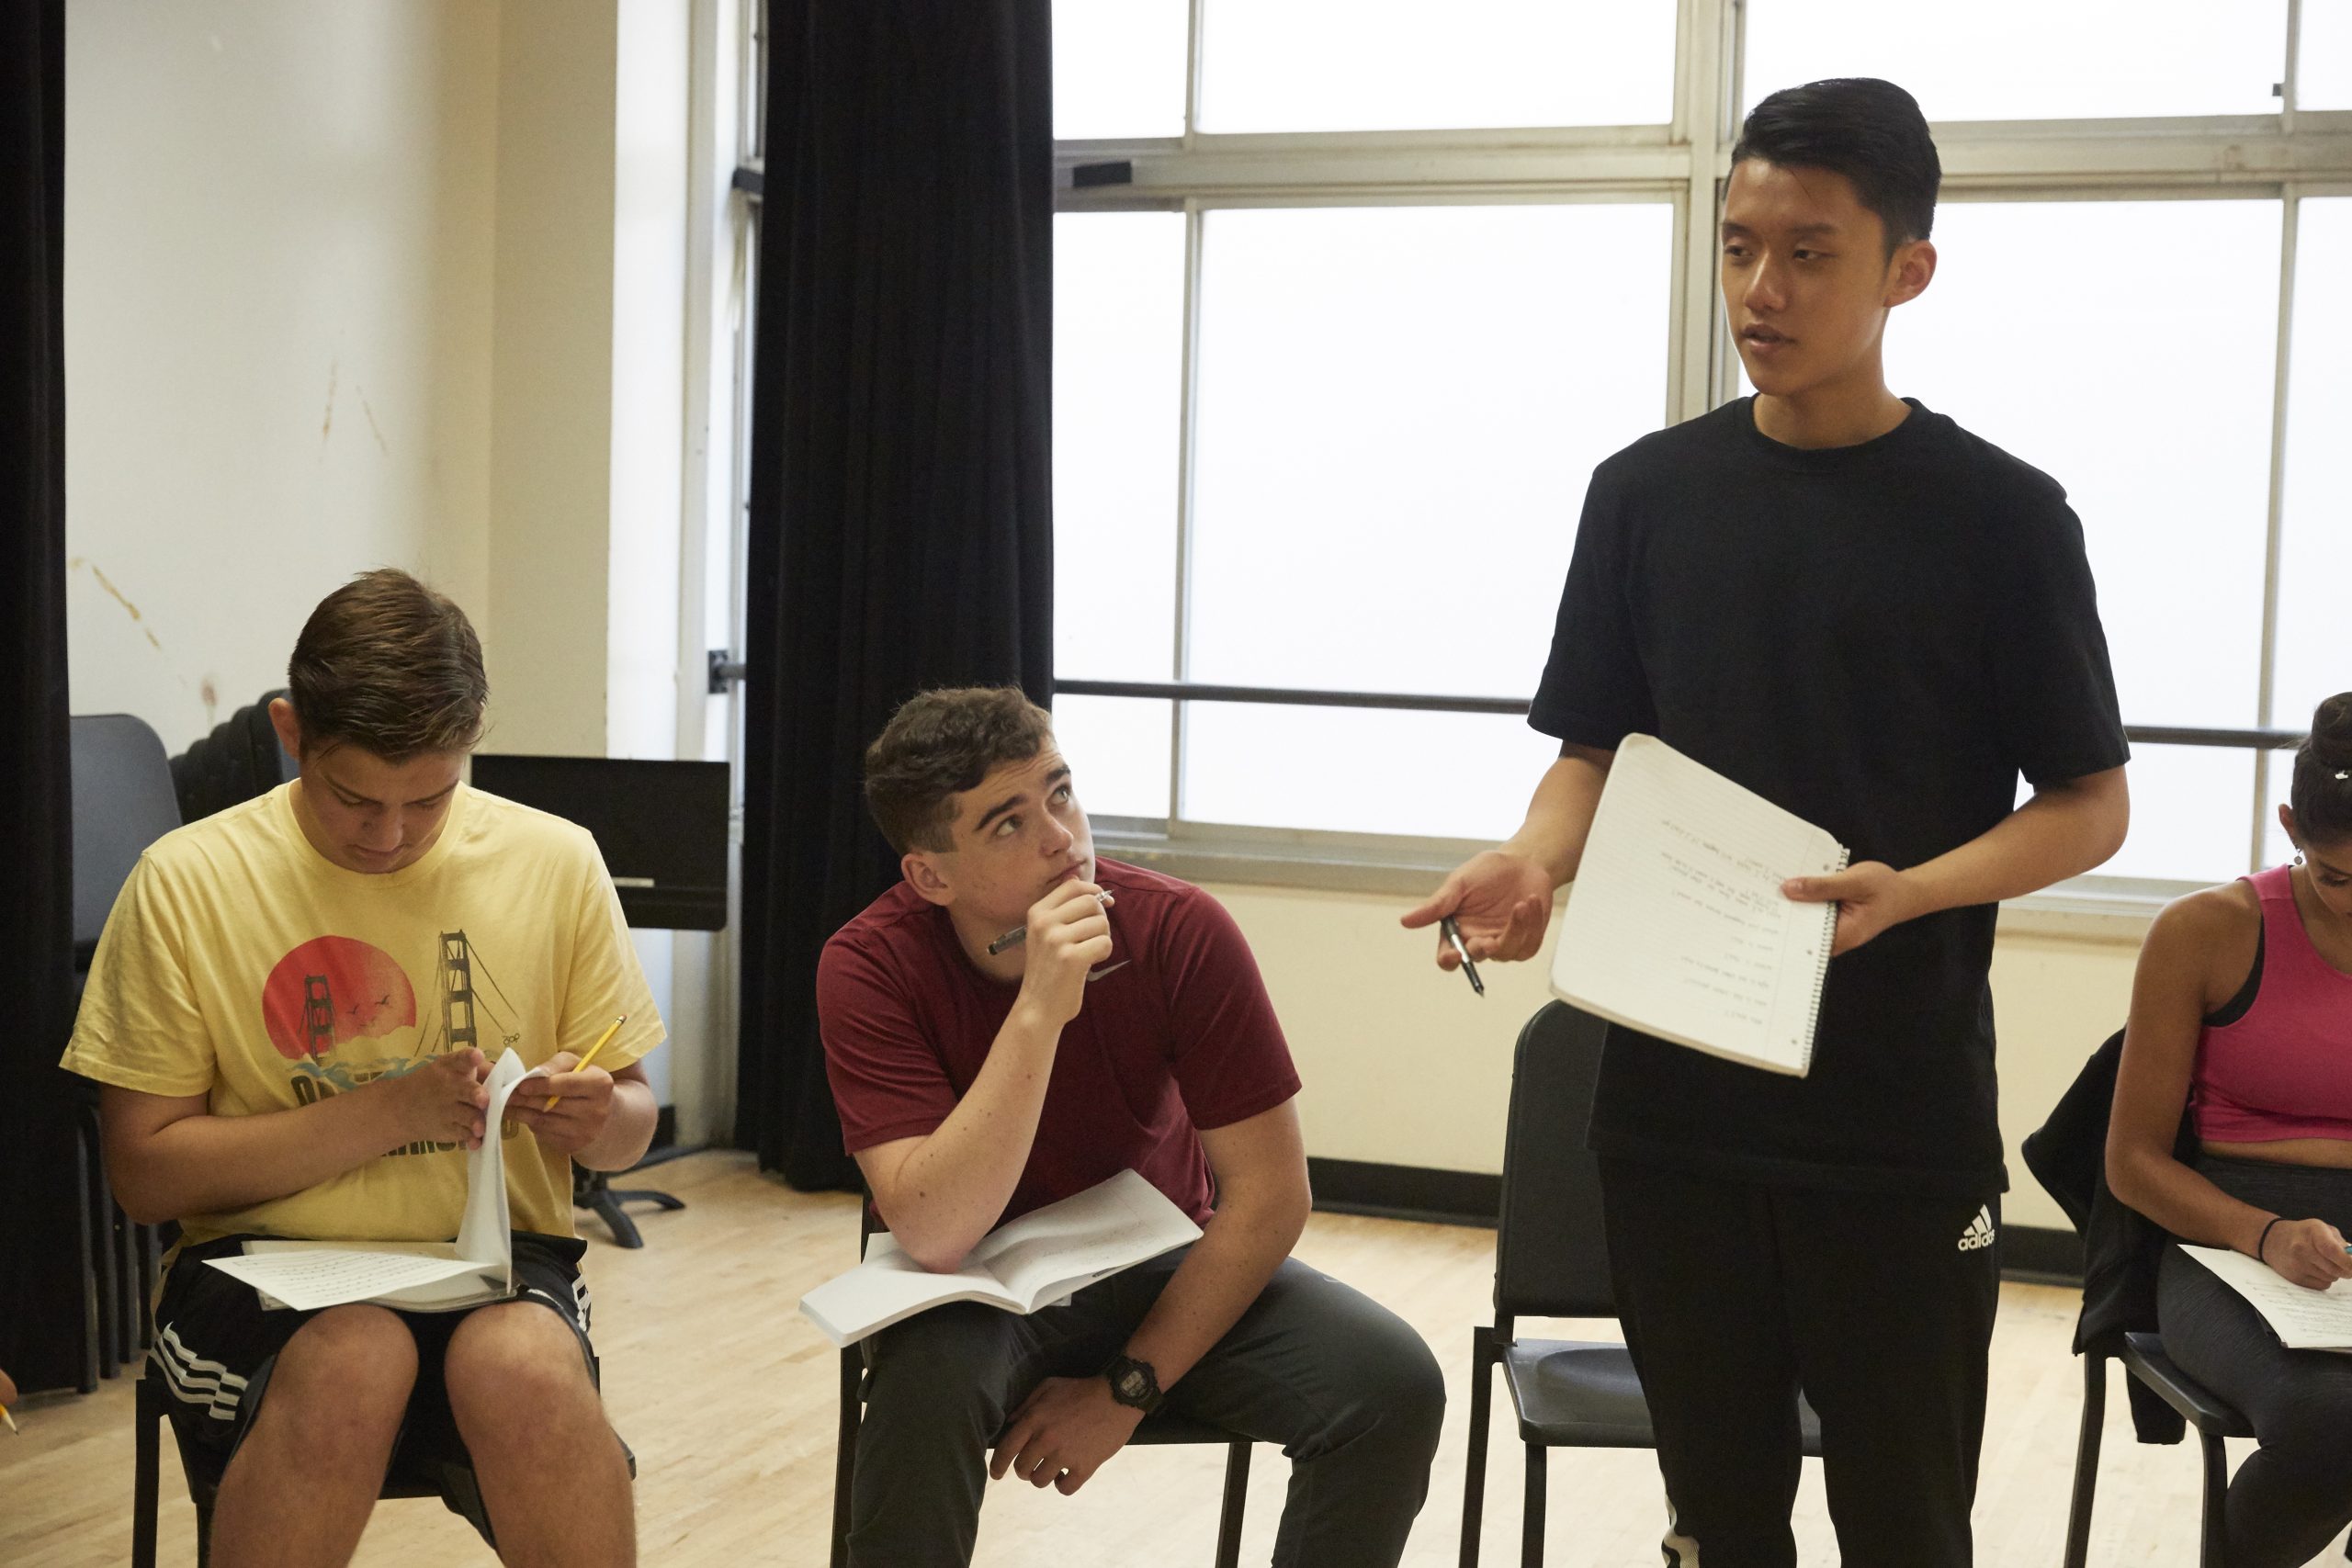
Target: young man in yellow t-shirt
{"x":292,"y":1011}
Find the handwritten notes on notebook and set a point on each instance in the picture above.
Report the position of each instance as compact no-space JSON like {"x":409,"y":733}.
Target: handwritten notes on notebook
{"x":2303,"y":1320}
{"x":1675,"y":925}
{"x":416,"y":1277}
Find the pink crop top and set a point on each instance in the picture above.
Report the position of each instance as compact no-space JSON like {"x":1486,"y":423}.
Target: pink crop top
{"x":2283,"y":1068}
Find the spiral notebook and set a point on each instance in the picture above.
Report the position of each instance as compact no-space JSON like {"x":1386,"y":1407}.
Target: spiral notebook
{"x":1675,"y":925}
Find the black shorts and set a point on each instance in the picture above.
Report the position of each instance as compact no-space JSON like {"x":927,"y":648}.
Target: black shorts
{"x":215,"y":1345}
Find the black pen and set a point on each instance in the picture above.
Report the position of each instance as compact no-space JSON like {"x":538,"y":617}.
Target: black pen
{"x":1469,"y":970}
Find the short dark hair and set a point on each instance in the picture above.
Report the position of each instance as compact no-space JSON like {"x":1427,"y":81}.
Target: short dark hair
{"x":1870,"y":131}
{"x":940,"y":744}
{"x":2321,"y":796}
{"x":387,"y":664}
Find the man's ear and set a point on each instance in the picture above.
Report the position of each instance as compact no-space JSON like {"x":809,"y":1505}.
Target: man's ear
{"x":289,"y":728}
{"x":927,"y":876}
{"x":1909,"y":271}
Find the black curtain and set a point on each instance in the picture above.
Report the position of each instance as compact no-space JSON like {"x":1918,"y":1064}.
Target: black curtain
{"x":42,"y":1333}
{"x":900,"y":510}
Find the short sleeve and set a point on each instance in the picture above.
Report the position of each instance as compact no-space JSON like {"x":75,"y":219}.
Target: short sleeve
{"x":887,"y":1079}
{"x":139,"y":1027}
{"x":2053,"y":689}
{"x":607,"y":980}
{"x":1594,"y":692}
{"x":1230,"y":1059}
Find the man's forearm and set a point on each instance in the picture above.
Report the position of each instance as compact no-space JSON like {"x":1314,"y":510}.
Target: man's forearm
{"x":1237,"y":1253}
{"x":944,"y":1196}
{"x":2058,"y":833}
{"x":627,"y":1133}
{"x":1559,"y":817}
{"x":204,"y":1164}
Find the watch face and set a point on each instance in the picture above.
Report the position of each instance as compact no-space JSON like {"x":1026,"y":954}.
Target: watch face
{"x":1131,"y":1383}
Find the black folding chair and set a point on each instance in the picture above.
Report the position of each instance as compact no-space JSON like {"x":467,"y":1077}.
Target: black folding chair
{"x":2065,"y":1155}
{"x":123,"y":801}
{"x":1158,"y":1429}
{"x":1552,"y":1260}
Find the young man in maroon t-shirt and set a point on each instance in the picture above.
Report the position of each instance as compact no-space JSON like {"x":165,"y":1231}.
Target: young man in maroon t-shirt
{"x":1129,"y":1029}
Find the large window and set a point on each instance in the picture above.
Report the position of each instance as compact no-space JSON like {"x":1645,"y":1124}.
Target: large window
{"x":1350,"y":297}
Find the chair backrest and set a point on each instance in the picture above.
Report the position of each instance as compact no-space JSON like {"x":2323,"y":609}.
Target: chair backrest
{"x":1551,"y":1260}
{"x":240,"y":759}
{"x":123,"y":801}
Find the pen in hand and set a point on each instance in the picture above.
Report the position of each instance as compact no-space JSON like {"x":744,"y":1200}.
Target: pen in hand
{"x":1469,"y":970}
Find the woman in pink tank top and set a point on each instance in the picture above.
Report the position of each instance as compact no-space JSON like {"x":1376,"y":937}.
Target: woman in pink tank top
{"x":2242,"y":1020}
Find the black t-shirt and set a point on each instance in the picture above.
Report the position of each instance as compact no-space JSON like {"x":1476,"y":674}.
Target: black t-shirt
{"x":1880,"y":638}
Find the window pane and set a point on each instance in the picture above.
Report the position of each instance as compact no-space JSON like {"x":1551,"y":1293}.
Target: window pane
{"x":2315,"y":552}
{"x":2031,"y":59}
{"x":1407,"y":64}
{"x":1398,"y":408}
{"x":2190,"y":815}
{"x":1360,"y":769}
{"x":2324,"y":76}
{"x":1118,"y":346}
{"x":2147,"y":395}
{"x":1118,"y":68}
{"x":1117,"y":752}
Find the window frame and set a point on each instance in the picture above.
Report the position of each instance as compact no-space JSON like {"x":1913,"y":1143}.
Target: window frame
{"x":2283,"y":157}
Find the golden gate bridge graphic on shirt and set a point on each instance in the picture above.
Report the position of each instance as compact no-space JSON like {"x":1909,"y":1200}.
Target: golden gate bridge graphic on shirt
{"x":462,"y":1011}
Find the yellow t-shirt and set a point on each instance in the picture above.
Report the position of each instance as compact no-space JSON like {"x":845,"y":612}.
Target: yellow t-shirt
{"x":242,"y":964}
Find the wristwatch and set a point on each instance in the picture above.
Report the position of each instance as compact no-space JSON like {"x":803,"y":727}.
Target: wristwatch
{"x":1134,"y":1384}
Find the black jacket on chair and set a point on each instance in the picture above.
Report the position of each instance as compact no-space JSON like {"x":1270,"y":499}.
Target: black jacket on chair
{"x":2121,"y":1246}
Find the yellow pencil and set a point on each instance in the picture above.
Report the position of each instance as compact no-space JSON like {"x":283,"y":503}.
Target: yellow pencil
{"x":611,"y":1029}
{"x":10,"y":1420}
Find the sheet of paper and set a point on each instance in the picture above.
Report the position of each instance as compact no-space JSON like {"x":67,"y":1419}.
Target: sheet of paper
{"x":325,"y":1277}
{"x":2303,"y":1320}
{"x":420,"y":1276}
{"x":1676,"y":924}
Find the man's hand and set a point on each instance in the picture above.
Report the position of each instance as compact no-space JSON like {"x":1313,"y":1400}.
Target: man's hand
{"x":2309,"y":1253}
{"x":442,"y":1102}
{"x":1066,"y":1430}
{"x":1500,"y":901}
{"x":1068,"y":934}
{"x":1870,"y":897}
{"x":583,"y":1105}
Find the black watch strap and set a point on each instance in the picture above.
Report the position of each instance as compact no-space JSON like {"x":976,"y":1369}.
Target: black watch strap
{"x":1134,"y":1384}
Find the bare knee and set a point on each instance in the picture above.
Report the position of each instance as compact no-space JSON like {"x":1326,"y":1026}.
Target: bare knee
{"x":514,"y":1371}
{"x":344,"y":1379}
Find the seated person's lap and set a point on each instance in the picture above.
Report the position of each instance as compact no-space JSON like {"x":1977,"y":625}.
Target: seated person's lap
{"x":216,"y":1345}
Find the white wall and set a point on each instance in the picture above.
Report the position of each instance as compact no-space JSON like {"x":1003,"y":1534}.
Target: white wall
{"x":1404,"y":1066}
{"x":277,"y":300}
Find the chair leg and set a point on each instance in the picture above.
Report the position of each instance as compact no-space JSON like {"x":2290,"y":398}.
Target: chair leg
{"x":2214,"y":1550}
{"x":1473,"y":1470}
{"x":845,"y":1452}
{"x":86,"y":1155}
{"x":1531,"y":1529}
{"x":2078,"y":1513}
{"x":1237,"y":1497}
{"x":146,"y":1474}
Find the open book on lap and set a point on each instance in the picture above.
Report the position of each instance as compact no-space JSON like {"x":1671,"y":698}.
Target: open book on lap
{"x":1038,"y":1260}
{"x":1675,"y":925}
{"x":473,"y":1270}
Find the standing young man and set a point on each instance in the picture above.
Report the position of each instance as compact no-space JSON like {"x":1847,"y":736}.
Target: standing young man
{"x":292,"y":1009}
{"x":1856,"y":608}
{"x":976,"y":1080}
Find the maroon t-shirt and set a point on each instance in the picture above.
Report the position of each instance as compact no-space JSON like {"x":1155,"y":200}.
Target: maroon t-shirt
{"x":1176,"y":1035}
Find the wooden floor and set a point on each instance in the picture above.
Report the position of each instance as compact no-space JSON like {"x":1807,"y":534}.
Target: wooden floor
{"x":728,"y":1397}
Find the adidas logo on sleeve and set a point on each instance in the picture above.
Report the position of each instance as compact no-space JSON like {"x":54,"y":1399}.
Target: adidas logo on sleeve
{"x":1980,"y":1232}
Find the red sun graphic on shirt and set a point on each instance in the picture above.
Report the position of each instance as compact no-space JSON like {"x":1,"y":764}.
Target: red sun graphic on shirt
{"x":331,"y":989}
